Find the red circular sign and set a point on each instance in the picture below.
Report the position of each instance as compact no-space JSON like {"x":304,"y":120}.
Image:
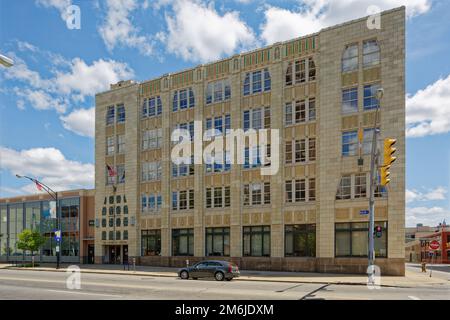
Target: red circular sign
{"x":434,"y":245}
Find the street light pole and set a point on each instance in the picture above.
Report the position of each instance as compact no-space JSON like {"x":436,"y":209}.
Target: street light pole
{"x":373,"y":184}
{"x":54,"y":196}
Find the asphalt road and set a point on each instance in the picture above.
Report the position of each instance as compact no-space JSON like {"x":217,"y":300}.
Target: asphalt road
{"x":43,"y":285}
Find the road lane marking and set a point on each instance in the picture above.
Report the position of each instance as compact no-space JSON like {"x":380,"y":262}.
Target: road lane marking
{"x":87,"y":293}
{"x":413,"y":298}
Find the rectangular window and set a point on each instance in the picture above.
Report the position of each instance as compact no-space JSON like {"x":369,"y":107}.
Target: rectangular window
{"x":349,"y":143}
{"x":311,"y":189}
{"x":312,"y":149}
{"x":151,"y":242}
{"x":350,"y":58}
{"x":208,"y":198}
{"x":121,"y":144}
{"x":300,"y":71}
{"x":120,"y":113}
{"x":110,"y":145}
{"x":256,"y":241}
{"x":110,"y":115}
{"x":360,"y":186}
{"x":218,"y":87}
{"x":352,"y":240}
{"x":217,"y":242}
{"x":311,"y":109}
{"x":256,"y":193}
{"x":246,"y":118}
{"x":371,"y":53}
{"x":300,"y":190}
{"x":300,"y":111}
{"x":227,"y":197}
{"x":288,"y":190}
{"x":288,"y":152}
{"x":300,"y":150}
{"x":266,"y":192}
{"x":367,"y":141}
{"x":256,"y":81}
{"x":300,"y":240}
{"x":350,"y":100}
{"x":312,"y":69}
{"x":370,"y":100}
{"x":209,"y":93}
{"x":288,"y":113}
{"x":344,"y":190}
{"x":218,"y":197}
{"x":174,"y":200}
{"x":120,"y":173}
{"x":246,"y":193}
{"x":183,"y":242}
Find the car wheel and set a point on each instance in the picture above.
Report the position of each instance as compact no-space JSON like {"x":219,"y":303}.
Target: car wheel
{"x":184,"y":275}
{"x":219,"y":276}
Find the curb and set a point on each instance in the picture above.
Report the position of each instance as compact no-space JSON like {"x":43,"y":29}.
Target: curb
{"x":147,"y":274}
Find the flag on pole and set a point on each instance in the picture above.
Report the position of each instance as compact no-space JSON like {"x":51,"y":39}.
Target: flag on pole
{"x":38,"y":185}
{"x":111,"y":171}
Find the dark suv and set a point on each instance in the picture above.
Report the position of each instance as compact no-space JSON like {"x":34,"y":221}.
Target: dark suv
{"x":220,"y":270}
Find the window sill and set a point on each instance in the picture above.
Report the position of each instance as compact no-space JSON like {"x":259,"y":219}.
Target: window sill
{"x":217,"y":102}
{"x":255,"y":93}
{"x":299,"y":123}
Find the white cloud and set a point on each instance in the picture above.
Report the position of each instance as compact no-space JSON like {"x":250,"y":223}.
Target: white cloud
{"x":70,"y":83}
{"x":312,"y":15}
{"x":429,"y":216}
{"x":80,"y":121}
{"x":90,"y":79}
{"x":197,"y":32}
{"x":428,"y":111}
{"x":438,"y":193}
{"x":48,"y":165}
{"x":118,"y":29}
{"x":60,"y":5}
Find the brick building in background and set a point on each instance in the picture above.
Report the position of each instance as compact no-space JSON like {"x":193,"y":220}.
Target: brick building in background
{"x":318,"y":90}
{"x":76,"y":209}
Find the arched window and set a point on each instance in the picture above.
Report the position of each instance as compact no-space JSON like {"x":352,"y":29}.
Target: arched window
{"x":371,"y":53}
{"x":289,"y":74}
{"x":350,"y":58}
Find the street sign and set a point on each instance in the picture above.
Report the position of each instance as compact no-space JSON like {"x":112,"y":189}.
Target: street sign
{"x":58,"y":235}
{"x":364,"y":212}
{"x":434,"y":245}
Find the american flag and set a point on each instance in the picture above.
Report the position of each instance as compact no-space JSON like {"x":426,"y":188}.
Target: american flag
{"x":111,"y":171}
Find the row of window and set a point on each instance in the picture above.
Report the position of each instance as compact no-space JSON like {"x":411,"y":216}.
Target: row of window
{"x":183,"y":99}
{"x":356,"y":186}
{"x":300,"y":71}
{"x":114,"y":210}
{"x":350,"y":142}
{"x":151,"y":203}
{"x":350,"y":98}
{"x":183,"y":200}
{"x":371,"y":56}
{"x":111,"y":114}
{"x":218,"y":197}
{"x":115,"y":235}
{"x":257,"y":193}
{"x":351,"y":240}
{"x":300,"y":111}
{"x":300,"y":150}
{"x":218,"y":91}
{"x":117,"y":221}
{"x":256,"y":82}
{"x":115,"y":144}
{"x":151,"y":107}
{"x":300,"y":190}
{"x":151,"y":171}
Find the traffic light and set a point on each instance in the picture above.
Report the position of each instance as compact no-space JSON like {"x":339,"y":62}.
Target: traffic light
{"x":389,"y":151}
{"x":378,"y":231}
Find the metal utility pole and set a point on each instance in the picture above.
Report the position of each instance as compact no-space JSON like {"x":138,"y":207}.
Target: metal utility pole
{"x":54,"y":196}
{"x":373,"y":184}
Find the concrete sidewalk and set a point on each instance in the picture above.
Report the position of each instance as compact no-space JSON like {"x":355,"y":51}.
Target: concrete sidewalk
{"x":412,"y":278}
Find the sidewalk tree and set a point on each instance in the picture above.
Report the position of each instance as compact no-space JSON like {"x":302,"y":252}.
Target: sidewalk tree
{"x":30,"y":240}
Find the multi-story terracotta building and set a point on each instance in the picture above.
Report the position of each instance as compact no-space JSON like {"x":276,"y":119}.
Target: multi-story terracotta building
{"x":77,"y":224}
{"x":319,"y":92}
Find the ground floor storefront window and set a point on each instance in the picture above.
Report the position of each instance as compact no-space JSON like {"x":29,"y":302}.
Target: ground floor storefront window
{"x":217,"y":241}
{"x":256,"y":241}
{"x":183,"y":242}
{"x":300,"y":240}
{"x":151,"y":242}
{"x":352,"y":240}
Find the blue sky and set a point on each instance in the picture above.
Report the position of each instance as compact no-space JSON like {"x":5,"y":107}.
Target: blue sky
{"x":46,"y":99}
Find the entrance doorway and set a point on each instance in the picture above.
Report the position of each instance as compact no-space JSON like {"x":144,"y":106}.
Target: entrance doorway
{"x":114,"y":253}
{"x":90,"y":254}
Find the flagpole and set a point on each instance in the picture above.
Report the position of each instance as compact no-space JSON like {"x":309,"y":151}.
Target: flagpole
{"x":40,"y":185}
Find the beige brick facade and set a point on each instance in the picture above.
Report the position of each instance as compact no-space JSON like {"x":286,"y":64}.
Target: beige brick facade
{"x":326,"y":49}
